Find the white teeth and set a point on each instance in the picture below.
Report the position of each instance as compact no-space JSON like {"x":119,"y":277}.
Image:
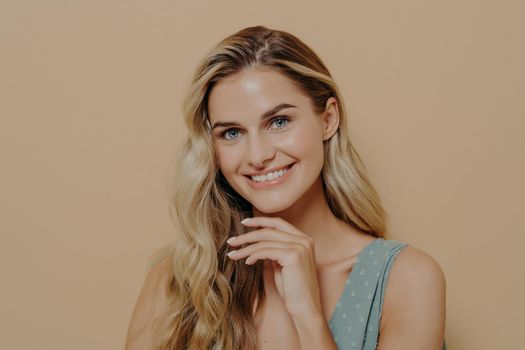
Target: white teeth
{"x":269,"y":176}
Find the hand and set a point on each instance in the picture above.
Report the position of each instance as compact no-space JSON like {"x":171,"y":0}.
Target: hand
{"x":291,"y":253}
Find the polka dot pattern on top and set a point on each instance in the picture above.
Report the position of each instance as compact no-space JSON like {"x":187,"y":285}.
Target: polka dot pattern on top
{"x":356,"y":319}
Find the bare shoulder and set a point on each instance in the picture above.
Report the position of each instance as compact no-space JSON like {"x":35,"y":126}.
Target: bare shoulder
{"x":417,"y":269}
{"x":414,"y":302}
{"x":151,"y":303}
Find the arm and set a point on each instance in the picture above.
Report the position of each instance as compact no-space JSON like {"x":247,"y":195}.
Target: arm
{"x":314,"y":333}
{"x":151,"y":302}
{"x":414,"y":303}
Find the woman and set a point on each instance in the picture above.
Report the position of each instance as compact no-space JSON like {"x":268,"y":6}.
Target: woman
{"x":268,"y":140}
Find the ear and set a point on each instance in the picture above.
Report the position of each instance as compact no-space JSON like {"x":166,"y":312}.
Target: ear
{"x":330,"y":118}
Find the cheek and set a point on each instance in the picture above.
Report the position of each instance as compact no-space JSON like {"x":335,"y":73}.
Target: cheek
{"x":227,"y":159}
{"x":305,"y":142}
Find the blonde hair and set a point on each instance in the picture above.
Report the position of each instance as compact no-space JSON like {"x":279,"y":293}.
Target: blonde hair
{"x":210,"y":296}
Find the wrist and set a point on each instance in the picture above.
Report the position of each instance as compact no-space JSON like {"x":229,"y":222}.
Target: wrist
{"x":310,"y":322}
{"x":314,"y":332}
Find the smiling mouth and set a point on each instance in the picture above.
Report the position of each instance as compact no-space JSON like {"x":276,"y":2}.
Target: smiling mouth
{"x":271,"y":176}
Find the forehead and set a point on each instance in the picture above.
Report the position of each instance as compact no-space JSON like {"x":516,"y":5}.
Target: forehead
{"x":250,"y":92}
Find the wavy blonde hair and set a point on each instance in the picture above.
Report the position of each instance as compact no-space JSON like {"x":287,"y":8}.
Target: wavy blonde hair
{"x":211,"y":297}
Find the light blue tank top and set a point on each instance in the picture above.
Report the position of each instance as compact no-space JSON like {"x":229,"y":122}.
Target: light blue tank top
{"x":356,"y":319}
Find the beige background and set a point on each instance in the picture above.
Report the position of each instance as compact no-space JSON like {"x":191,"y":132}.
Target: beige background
{"x":90,"y":95}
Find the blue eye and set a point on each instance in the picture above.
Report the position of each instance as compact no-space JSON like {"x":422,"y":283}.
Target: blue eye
{"x":225,"y":132}
{"x":278,"y":118}
{"x":286,"y":119}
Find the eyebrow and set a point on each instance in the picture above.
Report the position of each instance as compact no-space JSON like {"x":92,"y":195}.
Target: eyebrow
{"x":264,"y":116}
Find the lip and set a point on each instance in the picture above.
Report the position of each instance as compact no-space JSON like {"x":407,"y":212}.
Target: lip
{"x":269,"y":170}
{"x":271,"y":183}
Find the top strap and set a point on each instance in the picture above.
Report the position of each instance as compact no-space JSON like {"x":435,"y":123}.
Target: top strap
{"x":356,"y":319}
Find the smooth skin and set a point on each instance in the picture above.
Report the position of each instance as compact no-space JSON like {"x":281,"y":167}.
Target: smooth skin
{"x":308,"y":252}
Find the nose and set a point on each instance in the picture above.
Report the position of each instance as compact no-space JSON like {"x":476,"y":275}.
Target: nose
{"x":260,"y":151}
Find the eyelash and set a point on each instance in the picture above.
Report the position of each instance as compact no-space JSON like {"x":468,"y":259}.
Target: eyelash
{"x":223,"y":133}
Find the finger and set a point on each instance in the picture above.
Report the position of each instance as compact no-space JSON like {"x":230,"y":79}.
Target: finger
{"x":252,"y":248}
{"x":275,"y":254}
{"x":263,"y":234}
{"x":273,"y":222}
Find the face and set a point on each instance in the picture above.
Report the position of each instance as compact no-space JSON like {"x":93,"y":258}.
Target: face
{"x":267,"y":138}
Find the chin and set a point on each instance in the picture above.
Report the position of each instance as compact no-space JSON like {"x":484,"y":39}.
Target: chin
{"x":271,"y":208}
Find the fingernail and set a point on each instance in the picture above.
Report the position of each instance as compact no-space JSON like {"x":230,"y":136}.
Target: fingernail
{"x":231,"y":239}
{"x":231,"y":253}
{"x":245,"y":220}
